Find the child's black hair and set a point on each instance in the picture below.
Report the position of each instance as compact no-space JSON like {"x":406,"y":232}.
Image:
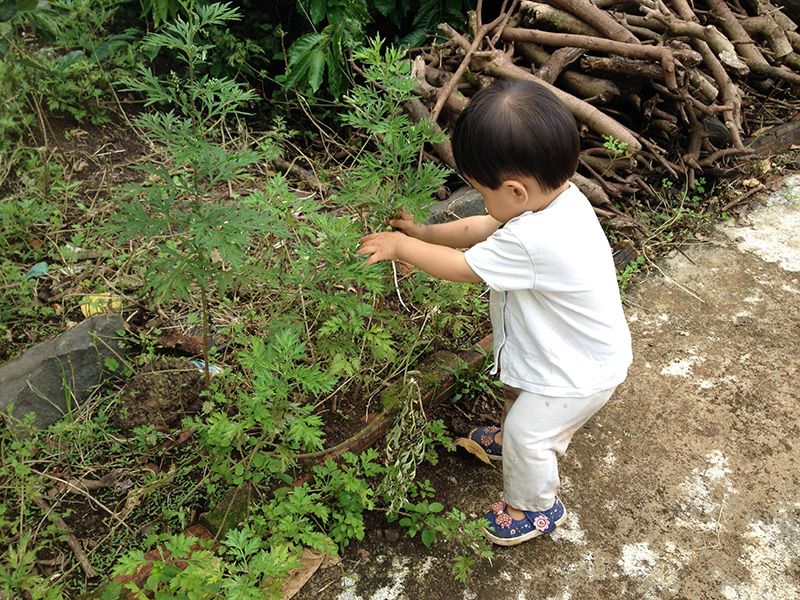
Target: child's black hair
{"x":516,"y":128}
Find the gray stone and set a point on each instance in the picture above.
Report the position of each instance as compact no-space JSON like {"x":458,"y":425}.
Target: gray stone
{"x":464,"y":202}
{"x":41,"y":380}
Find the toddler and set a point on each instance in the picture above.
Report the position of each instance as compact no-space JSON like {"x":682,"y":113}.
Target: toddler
{"x":561,"y":342}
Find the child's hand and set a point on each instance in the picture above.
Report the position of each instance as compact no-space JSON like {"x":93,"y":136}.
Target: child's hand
{"x":405,"y":223}
{"x":382,"y":246}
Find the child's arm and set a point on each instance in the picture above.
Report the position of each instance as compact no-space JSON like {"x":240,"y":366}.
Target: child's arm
{"x":434,"y":259}
{"x":462,"y":233}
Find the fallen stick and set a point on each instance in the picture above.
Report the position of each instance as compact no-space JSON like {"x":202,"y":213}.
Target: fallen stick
{"x":80,"y":491}
{"x":73,"y":543}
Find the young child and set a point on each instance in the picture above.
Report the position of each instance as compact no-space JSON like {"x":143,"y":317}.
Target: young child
{"x":561,"y":340}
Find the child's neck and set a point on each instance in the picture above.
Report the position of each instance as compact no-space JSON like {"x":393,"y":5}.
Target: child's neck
{"x":539,"y":200}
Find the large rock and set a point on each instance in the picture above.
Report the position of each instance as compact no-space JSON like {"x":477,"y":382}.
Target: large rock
{"x":70,"y":365}
{"x":464,"y":202}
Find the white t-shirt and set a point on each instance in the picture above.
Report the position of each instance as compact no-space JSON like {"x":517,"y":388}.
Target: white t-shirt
{"x":557,"y":319}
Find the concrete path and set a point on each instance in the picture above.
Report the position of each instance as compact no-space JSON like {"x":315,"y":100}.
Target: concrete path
{"x":687,"y":485}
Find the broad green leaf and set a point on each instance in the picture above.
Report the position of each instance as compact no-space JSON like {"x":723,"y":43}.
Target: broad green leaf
{"x":428,"y":536}
{"x":69,"y":59}
{"x":316,"y":68}
{"x":302,"y":46}
{"x":26,"y":5}
{"x":317,"y":10}
{"x":385,"y":7}
{"x":8,"y":8}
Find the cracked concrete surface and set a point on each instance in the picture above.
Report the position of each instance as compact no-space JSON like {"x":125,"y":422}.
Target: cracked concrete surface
{"x":687,"y":484}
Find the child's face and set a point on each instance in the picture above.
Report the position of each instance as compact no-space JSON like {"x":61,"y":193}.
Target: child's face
{"x":498,"y":205}
{"x":514,"y":197}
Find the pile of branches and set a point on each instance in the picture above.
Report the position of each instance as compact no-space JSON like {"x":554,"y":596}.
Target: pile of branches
{"x":662,"y":89}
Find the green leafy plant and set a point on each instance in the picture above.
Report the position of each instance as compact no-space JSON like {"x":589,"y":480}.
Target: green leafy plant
{"x":339,"y":29}
{"x":471,"y":382}
{"x":627,"y":276}
{"x":617,"y":151}
{"x":427,"y":518}
{"x":415,"y":21}
{"x":393,"y":176}
{"x":69,"y":67}
{"x":161,"y":10}
{"x":322,"y":52}
{"x":188,"y":567}
{"x":201,"y":240}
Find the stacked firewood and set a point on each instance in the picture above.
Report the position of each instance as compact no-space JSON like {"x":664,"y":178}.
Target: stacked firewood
{"x":662,"y":89}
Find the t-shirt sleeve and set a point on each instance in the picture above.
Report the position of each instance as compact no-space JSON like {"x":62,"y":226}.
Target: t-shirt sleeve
{"x":503,"y":262}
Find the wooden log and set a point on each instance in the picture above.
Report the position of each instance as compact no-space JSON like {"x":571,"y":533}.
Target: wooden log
{"x":592,"y":190}
{"x":794,"y":39}
{"x":775,"y":139}
{"x":603,"y":162}
{"x":644,"y":22}
{"x":444,"y":150}
{"x":700,"y":84}
{"x":668,"y":128}
{"x":765,"y":7}
{"x":598,"y":18}
{"x":617,"y":4}
{"x":620,"y":66}
{"x":558,"y":61}
{"x":687,"y":26}
{"x":480,"y":31}
{"x":578,"y":84}
{"x":537,"y":15}
{"x":737,"y":34}
{"x":454,"y":102}
{"x":769,"y":30}
{"x":434,"y":76}
{"x":776,"y":73}
{"x":666,"y":56}
{"x":731,"y":95}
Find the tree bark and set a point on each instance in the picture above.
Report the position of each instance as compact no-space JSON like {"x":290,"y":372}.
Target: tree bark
{"x":666,"y":56}
{"x":538,"y":15}
{"x":598,"y":18}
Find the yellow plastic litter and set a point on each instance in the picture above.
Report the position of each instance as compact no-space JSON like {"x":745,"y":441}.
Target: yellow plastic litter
{"x":101,"y":304}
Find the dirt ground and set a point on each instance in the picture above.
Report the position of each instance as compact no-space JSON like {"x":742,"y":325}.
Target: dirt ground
{"x":687,"y":484}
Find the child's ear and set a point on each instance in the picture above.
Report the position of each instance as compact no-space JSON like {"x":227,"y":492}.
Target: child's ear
{"x":516,"y":190}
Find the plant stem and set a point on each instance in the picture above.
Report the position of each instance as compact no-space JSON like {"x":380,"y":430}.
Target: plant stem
{"x":205,"y":337}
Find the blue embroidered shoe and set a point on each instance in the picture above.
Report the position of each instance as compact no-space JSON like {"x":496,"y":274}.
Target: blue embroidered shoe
{"x":506,"y":531}
{"x":485,"y":437}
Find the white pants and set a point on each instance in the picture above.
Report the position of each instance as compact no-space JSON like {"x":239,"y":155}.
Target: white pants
{"x":535,"y":429}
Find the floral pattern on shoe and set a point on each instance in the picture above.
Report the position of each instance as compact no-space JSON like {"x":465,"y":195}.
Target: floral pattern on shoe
{"x":504,"y":530}
{"x":501,"y":518}
{"x":541,"y":523}
{"x":485,"y":437}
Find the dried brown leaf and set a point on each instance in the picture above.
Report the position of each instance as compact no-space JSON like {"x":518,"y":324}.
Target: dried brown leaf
{"x":474,"y":448}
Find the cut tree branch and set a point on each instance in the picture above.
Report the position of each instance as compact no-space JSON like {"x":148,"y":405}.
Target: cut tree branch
{"x":666,"y":56}
{"x":480,"y":33}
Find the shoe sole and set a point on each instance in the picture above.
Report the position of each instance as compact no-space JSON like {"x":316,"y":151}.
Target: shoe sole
{"x":522,"y":538}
